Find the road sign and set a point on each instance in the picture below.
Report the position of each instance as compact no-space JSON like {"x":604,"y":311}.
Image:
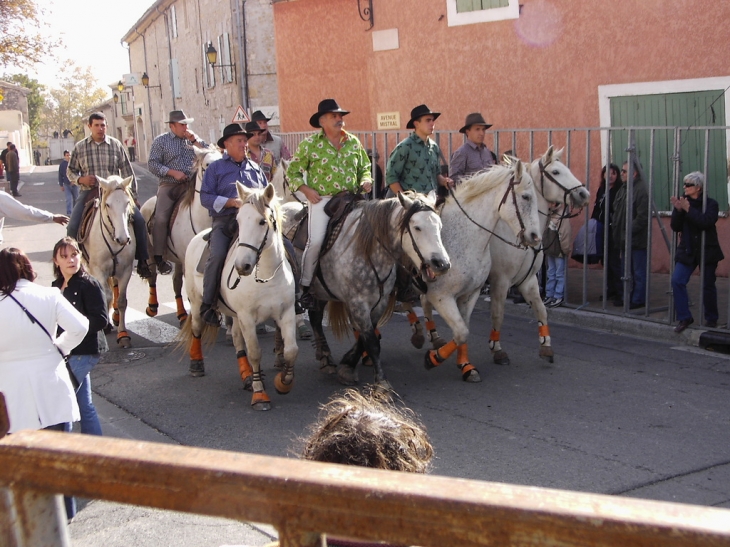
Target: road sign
{"x":240,"y":116}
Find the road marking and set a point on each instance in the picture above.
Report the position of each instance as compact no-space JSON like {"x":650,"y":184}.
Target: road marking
{"x":150,"y":328}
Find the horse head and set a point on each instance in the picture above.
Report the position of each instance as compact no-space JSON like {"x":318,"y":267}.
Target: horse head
{"x":424,"y":246}
{"x":519,"y":208}
{"x":116,"y":207}
{"x":557,"y":182}
{"x":203,"y":158}
{"x":280,"y":180}
{"x":259,"y":226}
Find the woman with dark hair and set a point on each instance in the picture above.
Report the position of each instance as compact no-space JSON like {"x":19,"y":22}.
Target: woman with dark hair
{"x":613,"y":262}
{"x":86,"y":295}
{"x":33,"y":375}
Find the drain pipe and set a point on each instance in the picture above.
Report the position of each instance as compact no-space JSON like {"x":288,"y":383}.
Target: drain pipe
{"x":149,"y":97}
{"x":242,"y":51}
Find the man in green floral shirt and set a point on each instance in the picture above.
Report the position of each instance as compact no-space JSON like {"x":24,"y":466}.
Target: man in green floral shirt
{"x":414,"y":163}
{"x":333,"y":160}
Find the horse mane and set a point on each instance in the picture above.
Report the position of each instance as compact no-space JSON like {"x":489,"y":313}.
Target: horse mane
{"x":375,"y":230}
{"x":104,"y":194}
{"x":481,"y":182}
{"x":189,"y":196}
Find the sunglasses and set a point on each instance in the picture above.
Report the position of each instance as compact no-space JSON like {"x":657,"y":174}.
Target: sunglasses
{"x":623,"y":170}
{"x":688,"y":185}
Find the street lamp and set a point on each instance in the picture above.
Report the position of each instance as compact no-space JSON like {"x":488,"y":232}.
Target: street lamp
{"x":146,"y":83}
{"x":212,"y":55}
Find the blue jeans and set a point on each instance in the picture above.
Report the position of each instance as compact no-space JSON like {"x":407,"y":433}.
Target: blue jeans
{"x":71,"y":192}
{"x":680,"y":278}
{"x":81,"y":366}
{"x":638,"y":273}
{"x":555,"y":286}
{"x":138,"y":225}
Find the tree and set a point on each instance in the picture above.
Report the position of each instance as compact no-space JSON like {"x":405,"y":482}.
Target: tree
{"x":65,"y":106}
{"x":36,"y":100}
{"x":22,"y":40}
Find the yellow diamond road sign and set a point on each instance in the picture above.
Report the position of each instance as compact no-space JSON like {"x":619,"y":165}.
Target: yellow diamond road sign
{"x":240,"y":116}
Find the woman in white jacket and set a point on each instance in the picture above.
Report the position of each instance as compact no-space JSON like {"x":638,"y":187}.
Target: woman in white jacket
{"x":33,"y":375}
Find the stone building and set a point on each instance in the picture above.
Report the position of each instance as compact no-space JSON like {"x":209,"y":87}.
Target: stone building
{"x":169,"y":45}
{"x":14,"y":120}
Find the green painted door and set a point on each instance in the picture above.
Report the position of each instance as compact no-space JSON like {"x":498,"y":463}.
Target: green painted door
{"x":683,"y":110}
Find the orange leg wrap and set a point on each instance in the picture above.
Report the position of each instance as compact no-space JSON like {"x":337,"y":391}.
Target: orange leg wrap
{"x":430,"y":325}
{"x":412,"y":318}
{"x":244,"y":368}
{"x":122,"y":334}
{"x":494,"y":336}
{"x":445,"y":351}
{"x":543,"y":330}
{"x":466,"y":368}
{"x":462,"y":354}
{"x":196,"y":349}
{"x":153,"y":297}
{"x":182,"y":315}
{"x":377,"y":333}
{"x":259,"y":397}
{"x":115,"y":296}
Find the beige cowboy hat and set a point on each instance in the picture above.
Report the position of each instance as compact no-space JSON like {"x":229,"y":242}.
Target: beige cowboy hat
{"x":475,"y":118}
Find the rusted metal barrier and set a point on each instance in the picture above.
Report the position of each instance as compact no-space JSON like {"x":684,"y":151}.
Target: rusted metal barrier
{"x":302,"y":499}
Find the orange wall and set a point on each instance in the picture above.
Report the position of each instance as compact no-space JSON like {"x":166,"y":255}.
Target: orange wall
{"x":541,"y":70}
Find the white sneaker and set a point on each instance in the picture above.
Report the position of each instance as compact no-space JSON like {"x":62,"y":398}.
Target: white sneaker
{"x":555,"y":303}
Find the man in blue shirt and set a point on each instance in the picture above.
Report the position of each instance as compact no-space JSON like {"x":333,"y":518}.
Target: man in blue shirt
{"x":219,"y":195}
{"x":171,"y":159}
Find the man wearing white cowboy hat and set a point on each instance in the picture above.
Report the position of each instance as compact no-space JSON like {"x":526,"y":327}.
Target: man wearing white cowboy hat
{"x":414,"y":163}
{"x":472,"y":156}
{"x":219,"y":194}
{"x":270,"y":141}
{"x":171,"y":160}
{"x":333,"y":160}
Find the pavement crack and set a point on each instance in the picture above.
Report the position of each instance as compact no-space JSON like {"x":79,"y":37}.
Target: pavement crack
{"x":669,"y":478}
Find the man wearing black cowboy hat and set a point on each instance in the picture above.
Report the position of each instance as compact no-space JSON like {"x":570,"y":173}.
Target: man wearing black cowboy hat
{"x":333,"y":160}
{"x":263,"y":157}
{"x":472,"y":156}
{"x":270,"y":141}
{"x":414,"y":163}
{"x":171,"y":160}
{"x":219,"y":194}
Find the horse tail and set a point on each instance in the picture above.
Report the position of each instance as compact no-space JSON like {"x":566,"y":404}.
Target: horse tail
{"x":208,"y":335}
{"x":339,"y":319}
{"x":388,"y":312}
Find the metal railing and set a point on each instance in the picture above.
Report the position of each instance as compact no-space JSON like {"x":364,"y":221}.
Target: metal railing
{"x":666,"y":154}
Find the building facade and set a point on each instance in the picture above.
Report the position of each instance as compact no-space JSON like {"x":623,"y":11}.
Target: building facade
{"x":14,"y":120}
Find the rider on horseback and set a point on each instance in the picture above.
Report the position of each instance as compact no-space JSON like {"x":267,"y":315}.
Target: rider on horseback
{"x":171,"y":159}
{"x":100,"y":155}
{"x":333,"y":160}
{"x":219,"y":194}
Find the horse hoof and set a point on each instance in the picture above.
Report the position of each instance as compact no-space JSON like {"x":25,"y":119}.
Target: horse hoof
{"x":432,"y":359}
{"x":281,"y":387}
{"x":472,"y":377}
{"x":304,"y":332}
{"x":346,"y":375}
{"x":151,"y":311}
{"x":546,"y":352}
{"x":261,"y":406}
{"x":327,"y":365}
{"x":367,"y":361}
{"x":197,"y":368}
{"x":438,"y":342}
{"x":115,"y":318}
{"x":123,"y":340}
{"x":501,"y":358}
{"x":260,"y":401}
{"x":418,"y":340}
{"x":182,"y":318}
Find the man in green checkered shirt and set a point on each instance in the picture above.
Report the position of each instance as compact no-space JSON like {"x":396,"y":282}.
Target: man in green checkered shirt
{"x":333,"y":160}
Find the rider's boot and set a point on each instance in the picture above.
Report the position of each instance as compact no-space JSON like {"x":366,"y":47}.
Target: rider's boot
{"x":163,"y":266}
{"x":307,"y":300}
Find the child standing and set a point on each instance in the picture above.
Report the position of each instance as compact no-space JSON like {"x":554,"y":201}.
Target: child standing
{"x":557,"y":246}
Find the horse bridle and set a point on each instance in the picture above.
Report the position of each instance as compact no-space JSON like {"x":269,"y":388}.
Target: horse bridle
{"x":417,"y":207}
{"x":544,"y":174}
{"x":111,"y":233}
{"x":258,"y":250}
{"x":510,"y":189}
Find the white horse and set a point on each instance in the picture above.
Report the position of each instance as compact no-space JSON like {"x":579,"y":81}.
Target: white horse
{"x":470,"y":217}
{"x":281,"y":183}
{"x":257,"y":284}
{"x":110,"y":247}
{"x":511,"y":266}
{"x":191,"y":219}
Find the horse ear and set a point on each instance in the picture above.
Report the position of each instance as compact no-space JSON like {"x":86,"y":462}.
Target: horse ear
{"x":126,"y":182}
{"x":104,"y":183}
{"x":243,"y":192}
{"x":558,"y":154}
{"x":269,"y":193}
{"x":405,"y":201}
{"x":547,"y":159}
{"x":518,"y":168}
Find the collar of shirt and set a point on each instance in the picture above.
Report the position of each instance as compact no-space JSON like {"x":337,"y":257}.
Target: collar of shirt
{"x":91,"y":140}
{"x":476,"y":146}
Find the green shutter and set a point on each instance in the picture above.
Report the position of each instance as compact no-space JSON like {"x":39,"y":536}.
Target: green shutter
{"x":700,"y":108}
{"x":475,"y":5}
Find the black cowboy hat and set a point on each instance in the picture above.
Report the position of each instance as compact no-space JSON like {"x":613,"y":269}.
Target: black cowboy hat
{"x":252,"y":127}
{"x":259,"y":116}
{"x":178,"y":116}
{"x":420,"y":110}
{"x":231,"y":130}
{"x":328,"y":105}
{"x":475,"y":118}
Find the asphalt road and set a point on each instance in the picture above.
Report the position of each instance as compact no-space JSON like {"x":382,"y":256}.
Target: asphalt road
{"x":615,"y":413}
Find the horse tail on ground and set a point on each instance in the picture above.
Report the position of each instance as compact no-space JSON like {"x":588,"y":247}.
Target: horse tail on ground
{"x":339,"y":319}
{"x":388,"y":312}
{"x":209,"y":335}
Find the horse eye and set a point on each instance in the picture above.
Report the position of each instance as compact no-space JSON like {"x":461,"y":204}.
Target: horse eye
{"x":526,"y":197}
{"x":262,"y":222}
{"x":556,"y":172}
{"x":418,"y":228}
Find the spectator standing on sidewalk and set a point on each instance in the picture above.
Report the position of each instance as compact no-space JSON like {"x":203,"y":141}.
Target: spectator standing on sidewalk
{"x":12,"y":164}
{"x":690,"y":219}
{"x":557,"y":244}
{"x":71,"y":191}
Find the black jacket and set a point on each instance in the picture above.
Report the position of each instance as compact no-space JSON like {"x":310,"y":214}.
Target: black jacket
{"x":86,"y":295}
{"x":690,"y":225}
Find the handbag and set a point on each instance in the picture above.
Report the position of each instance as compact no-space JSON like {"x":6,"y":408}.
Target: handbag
{"x":74,"y":380}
